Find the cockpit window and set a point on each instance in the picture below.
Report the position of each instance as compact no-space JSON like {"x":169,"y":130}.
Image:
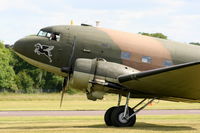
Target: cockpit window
{"x":51,"y":36}
{"x":42,"y":33}
{"x":55,"y":37}
{"x":48,"y":35}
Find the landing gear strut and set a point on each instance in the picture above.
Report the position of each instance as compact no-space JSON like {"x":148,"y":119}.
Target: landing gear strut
{"x":123,"y":116}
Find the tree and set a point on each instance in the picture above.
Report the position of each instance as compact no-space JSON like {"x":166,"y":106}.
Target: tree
{"x":24,"y":82}
{"x":7,"y":74}
{"x":158,"y":35}
{"x":195,"y":43}
{"x":42,"y":81}
{"x":53,"y":83}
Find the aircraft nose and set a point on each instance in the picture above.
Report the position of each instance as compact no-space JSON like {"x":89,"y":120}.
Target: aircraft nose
{"x":23,"y":45}
{"x":18,"y":46}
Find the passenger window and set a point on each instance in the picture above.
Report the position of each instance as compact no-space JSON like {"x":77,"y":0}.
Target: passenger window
{"x":167,"y":63}
{"x":126,"y":55}
{"x":146,"y":59}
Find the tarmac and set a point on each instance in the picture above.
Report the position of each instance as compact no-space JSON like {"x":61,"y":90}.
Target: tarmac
{"x":92,"y":113}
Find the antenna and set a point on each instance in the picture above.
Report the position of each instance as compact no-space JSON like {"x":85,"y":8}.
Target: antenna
{"x":71,"y":22}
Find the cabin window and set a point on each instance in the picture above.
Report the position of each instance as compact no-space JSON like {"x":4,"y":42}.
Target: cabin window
{"x":126,"y":55}
{"x":167,"y":63}
{"x":146,"y":59}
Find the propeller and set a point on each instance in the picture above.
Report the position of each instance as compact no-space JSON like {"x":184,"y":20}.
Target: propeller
{"x":65,"y":87}
{"x":69,"y":71}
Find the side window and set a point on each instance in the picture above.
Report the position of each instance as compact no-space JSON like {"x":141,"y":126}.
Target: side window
{"x":58,"y":37}
{"x":146,"y":59}
{"x":48,"y":35}
{"x":167,"y":63}
{"x":55,"y":37}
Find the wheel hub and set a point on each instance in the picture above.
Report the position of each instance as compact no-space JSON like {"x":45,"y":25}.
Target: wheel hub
{"x":122,"y":119}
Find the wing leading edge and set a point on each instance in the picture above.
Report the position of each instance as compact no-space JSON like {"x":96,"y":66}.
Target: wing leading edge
{"x":179,"y":81}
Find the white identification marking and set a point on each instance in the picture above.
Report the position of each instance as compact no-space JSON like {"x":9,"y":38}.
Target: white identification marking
{"x":45,"y":50}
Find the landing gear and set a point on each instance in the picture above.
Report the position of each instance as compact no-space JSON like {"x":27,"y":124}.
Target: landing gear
{"x":123,"y":116}
{"x":107,"y":116}
{"x":118,"y":119}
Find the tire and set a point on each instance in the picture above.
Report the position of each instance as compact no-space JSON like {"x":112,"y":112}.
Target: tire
{"x":107,"y":116}
{"x":117,"y":120}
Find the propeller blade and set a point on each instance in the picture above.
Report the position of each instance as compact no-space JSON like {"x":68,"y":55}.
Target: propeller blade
{"x":69,"y":71}
{"x":63,"y":91}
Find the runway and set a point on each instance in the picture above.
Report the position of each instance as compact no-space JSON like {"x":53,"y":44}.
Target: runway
{"x":92,"y":113}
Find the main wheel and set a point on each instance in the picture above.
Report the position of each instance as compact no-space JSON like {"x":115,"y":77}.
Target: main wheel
{"x":107,"y":116}
{"x":118,"y":120}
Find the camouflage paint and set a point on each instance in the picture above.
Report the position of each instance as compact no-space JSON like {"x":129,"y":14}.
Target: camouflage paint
{"x":181,"y":52}
{"x":139,"y":46}
{"x":92,"y":42}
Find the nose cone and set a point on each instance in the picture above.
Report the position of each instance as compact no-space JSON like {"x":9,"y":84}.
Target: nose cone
{"x":19,"y":46}
{"x":24,"y":46}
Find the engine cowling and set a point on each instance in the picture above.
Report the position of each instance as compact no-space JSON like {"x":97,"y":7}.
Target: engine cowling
{"x":98,"y":70}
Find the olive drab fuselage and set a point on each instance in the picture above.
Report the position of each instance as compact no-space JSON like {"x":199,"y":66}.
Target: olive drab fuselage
{"x":134,"y":50}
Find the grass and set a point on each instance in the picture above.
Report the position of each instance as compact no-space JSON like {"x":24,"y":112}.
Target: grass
{"x":91,"y":124}
{"x":76,"y":102}
{"x":95,"y":124}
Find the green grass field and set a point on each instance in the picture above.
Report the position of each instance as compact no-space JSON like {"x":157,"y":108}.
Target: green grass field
{"x":76,"y":102}
{"x":95,"y":124}
{"x":85,"y":124}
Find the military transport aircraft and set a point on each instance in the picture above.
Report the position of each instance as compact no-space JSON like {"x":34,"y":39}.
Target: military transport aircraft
{"x":99,"y":60}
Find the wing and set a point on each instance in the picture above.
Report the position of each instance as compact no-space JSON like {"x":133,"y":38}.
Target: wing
{"x":179,"y":81}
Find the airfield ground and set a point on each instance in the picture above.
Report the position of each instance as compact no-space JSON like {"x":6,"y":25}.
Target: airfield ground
{"x":95,"y":124}
{"x":76,"y":102}
{"x":181,"y":123}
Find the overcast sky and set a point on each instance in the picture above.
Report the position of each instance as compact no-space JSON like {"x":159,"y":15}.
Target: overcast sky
{"x":178,"y":19}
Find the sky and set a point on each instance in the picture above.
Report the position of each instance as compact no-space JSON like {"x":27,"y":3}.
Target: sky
{"x":178,"y":19}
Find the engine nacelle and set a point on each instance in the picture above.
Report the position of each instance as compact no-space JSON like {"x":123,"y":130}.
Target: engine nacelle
{"x":87,"y":70}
